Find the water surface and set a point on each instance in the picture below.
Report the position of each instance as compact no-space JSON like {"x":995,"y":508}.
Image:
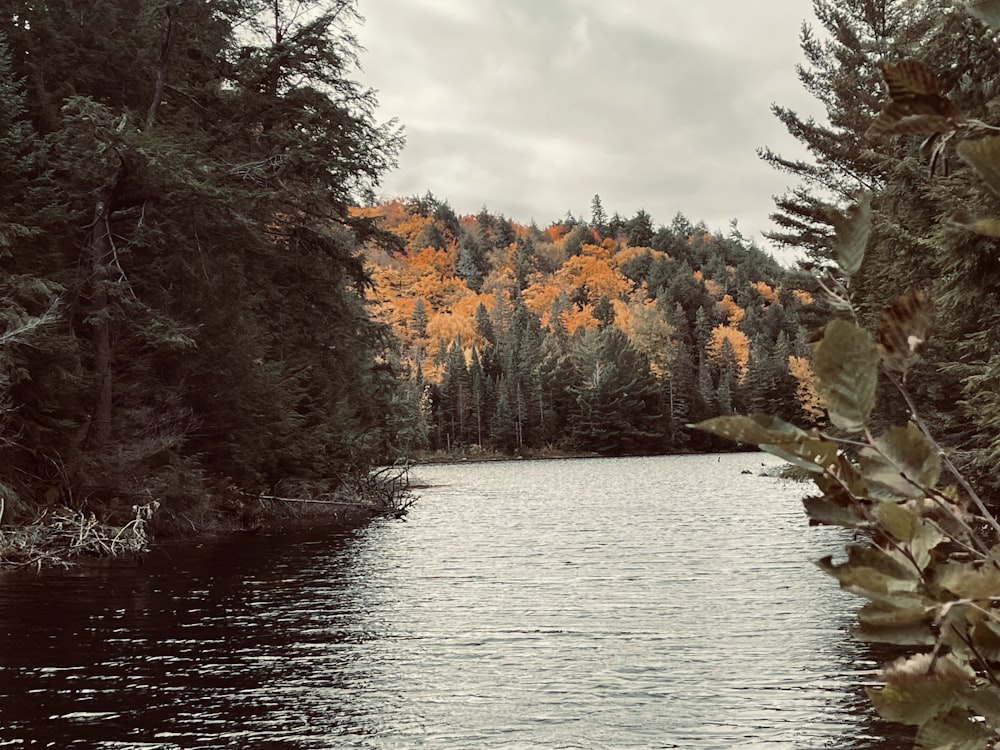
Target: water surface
{"x":609,"y":603}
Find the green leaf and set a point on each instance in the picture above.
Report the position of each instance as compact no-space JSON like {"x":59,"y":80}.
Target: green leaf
{"x":804,"y":449}
{"x":909,"y":78}
{"x":898,"y":119}
{"x":885,"y":615}
{"x":846,"y":367}
{"x":987,"y":11}
{"x":852,"y":228}
{"x":985,"y":701}
{"x":906,"y":623}
{"x":873,"y":573}
{"x":903,"y":635}
{"x":957,"y":729}
{"x":926,"y":540}
{"x":922,"y":687}
{"x":828,"y":512}
{"x":905,"y":524}
{"x":917,"y":106}
{"x":815,"y":455}
{"x":983,"y":156}
{"x":969,"y":582}
{"x":902,"y":460}
{"x":986,"y":638}
{"x":912,"y":703}
{"x":756,"y":429}
{"x":900,"y":521}
{"x":904,"y":328}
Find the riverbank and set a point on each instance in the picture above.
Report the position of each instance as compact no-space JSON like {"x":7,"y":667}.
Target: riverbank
{"x":64,"y":537}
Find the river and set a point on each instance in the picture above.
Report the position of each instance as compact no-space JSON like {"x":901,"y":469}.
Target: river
{"x":665,"y":602}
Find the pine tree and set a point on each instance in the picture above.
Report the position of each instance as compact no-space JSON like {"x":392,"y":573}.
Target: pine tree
{"x":204,"y":177}
{"x":843,"y":72}
{"x":598,"y":219}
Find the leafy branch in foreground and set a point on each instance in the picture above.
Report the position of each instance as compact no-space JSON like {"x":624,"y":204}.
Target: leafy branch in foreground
{"x":928,"y":569}
{"x":926,"y":557}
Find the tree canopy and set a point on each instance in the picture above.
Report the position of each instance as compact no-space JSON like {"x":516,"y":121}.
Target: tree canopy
{"x":177,"y":179}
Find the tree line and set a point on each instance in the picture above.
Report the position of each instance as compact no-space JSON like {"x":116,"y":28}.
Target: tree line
{"x":607,"y":336}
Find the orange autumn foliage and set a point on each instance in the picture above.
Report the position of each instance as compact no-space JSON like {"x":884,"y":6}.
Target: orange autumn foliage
{"x":803,"y":296}
{"x":805,"y":392}
{"x":576,"y":318}
{"x":597,"y":274}
{"x":555,"y":232}
{"x":733,"y":312}
{"x":769,"y":293}
{"x":450,"y":326}
{"x":629,"y":252}
{"x":396,"y":218}
{"x":603,"y":251}
{"x":737,"y":339}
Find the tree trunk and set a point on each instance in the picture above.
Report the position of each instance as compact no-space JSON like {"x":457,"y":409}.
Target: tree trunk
{"x":97,"y":256}
{"x":161,"y":72}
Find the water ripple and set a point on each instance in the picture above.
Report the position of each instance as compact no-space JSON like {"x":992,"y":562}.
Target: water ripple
{"x":616,"y":603}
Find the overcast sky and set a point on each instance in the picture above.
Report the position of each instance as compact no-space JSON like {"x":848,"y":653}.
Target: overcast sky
{"x":530,"y":107}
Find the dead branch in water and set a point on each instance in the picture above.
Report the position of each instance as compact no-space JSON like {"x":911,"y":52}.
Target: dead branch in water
{"x":55,"y":538}
{"x":384,"y":491}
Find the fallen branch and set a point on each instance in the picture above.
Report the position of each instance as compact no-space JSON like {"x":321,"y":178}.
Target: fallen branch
{"x":355,"y":504}
{"x":58,"y":538}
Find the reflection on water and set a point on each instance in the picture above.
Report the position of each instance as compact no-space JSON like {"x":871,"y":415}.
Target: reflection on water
{"x":612,"y":603}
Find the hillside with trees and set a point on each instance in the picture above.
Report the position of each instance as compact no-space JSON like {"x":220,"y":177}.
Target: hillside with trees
{"x":606,"y":336}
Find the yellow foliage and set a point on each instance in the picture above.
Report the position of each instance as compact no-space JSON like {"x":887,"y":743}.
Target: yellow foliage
{"x":626,"y":254}
{"x":650,"y":333}
{"x":803,"y":296}
{"x":733,"y":312}
{"x":576,"y":318}
{"x":602,"y":251}
{"x":449,"y":326}
{"x":766,"y":291}
{"x":601,"y":279}
{"x":623,"y":313}
{"x":539,"y":296}
{"x":714,"y":288}
{"x":737,"y":339}
{"x":805,"y":392}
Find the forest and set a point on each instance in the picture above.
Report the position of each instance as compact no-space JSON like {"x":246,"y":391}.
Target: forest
{"x":183,"y":303}
{"x":202,"y":301}
{"x":607,"y":336}
{"x":202,"y":305}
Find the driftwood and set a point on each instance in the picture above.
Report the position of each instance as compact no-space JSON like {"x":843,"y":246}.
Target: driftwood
{"x":56,"y":537}
{"x":385,"y":491}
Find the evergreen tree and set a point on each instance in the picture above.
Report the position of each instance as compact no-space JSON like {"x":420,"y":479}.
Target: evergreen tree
{"x":604,"y":311}
{"x":639,"y":230}
{"x":525,"y":261}
{"x":418,"y":319}
{"x":471,"y":265}
{"x":598,"y":219}
{"x":203,"y":158}
{"x":618,"y":405}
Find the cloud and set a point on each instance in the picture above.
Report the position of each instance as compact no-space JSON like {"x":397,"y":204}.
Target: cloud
{"x":532,"y":108}
{"x":577,"y":47}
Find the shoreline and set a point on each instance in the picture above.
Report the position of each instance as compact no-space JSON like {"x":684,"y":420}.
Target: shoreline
{"x":61,"y":537}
